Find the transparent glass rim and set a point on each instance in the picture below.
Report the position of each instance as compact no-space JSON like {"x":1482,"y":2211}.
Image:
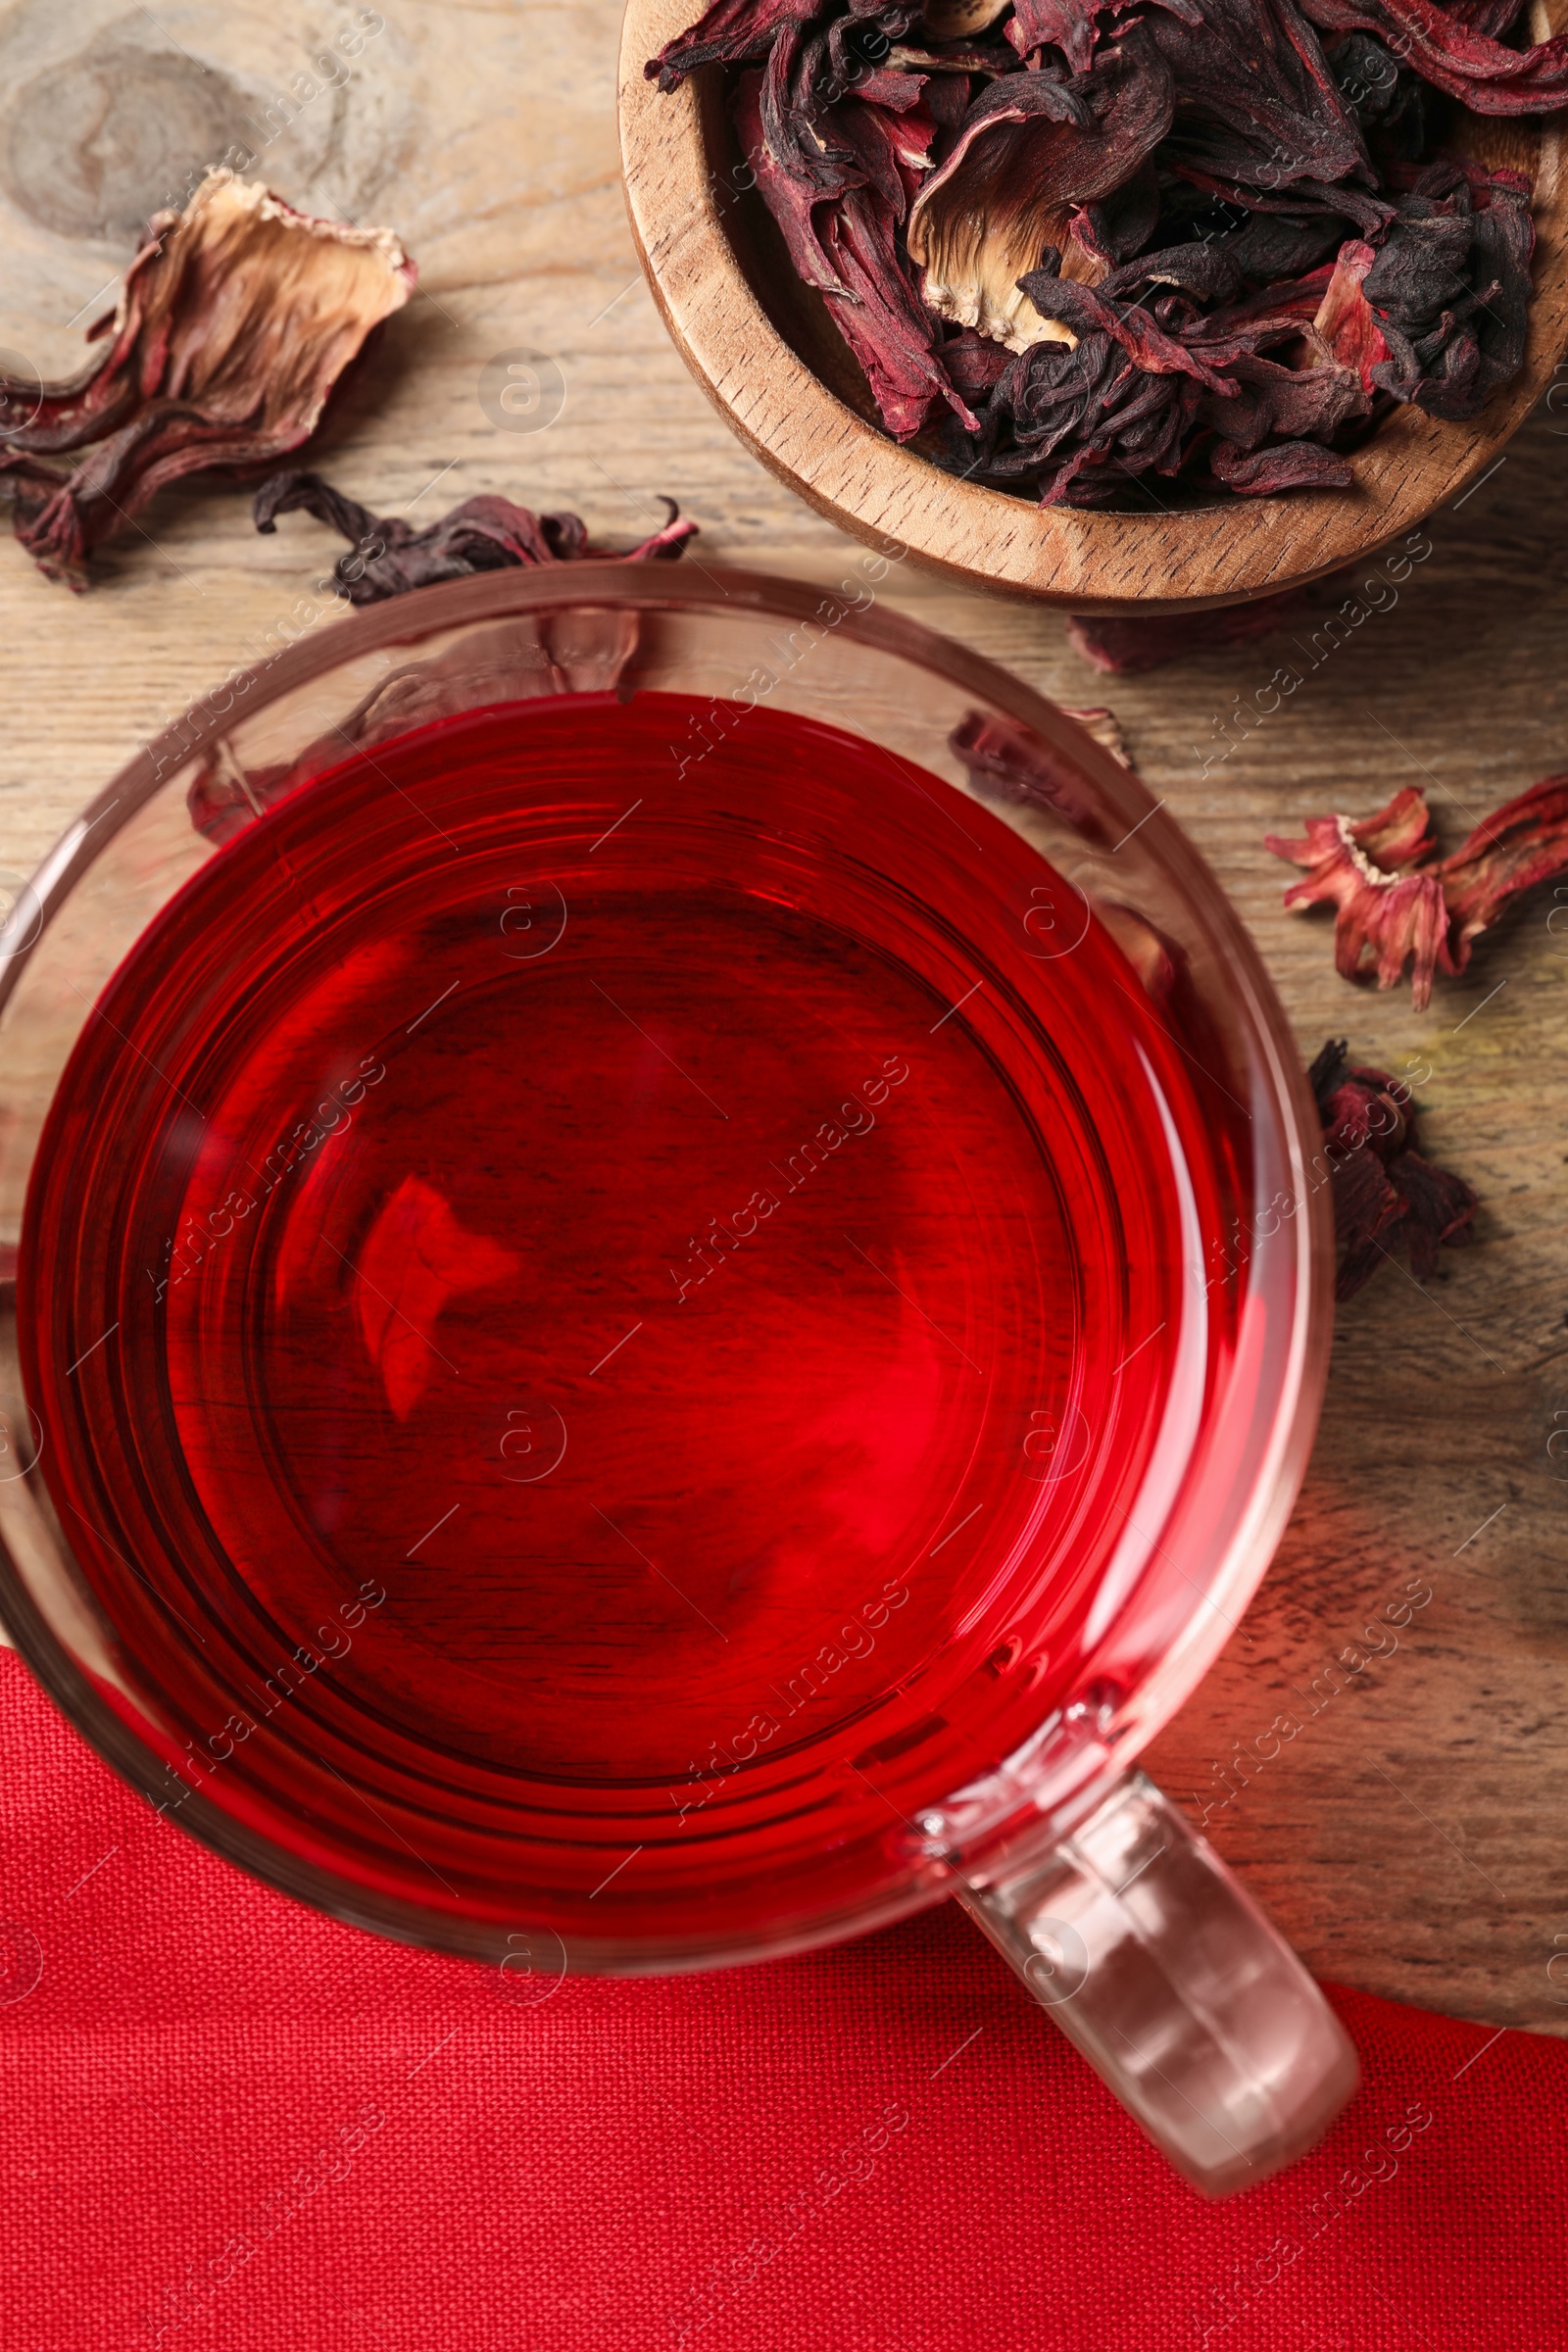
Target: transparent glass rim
{"x":1259,"y":1508}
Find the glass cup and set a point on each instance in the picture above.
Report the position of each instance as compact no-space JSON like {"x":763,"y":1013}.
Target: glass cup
{"x":1121,"y":1921}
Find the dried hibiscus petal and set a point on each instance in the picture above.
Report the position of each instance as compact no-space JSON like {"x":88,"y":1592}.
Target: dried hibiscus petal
{"x":1222,"y":218}
{"x":1282,"y":465}
{"x":1383,"y":1188}
{"x":1456,"y":57}
{"x":974,"y":362}
{"x":1524,"y":843}
{"x":1258,"y":113}
{"x":483,"y":534}
{"x":1032,"y":147}
{"x":1376,"y":873}
{"x":1389,"y":104}
{"x":1449,"y":294}
{"x":1401,"y":903}
{"x":1082,"y":421}
{"x":732,"y":32}
{"x":842,"y":243}
{"x":1122,"y":223}
{"x":1083,"y":309}
{"x":235,"y":322}
{"x":1345,"y":319}
{"x":1070,"y":25}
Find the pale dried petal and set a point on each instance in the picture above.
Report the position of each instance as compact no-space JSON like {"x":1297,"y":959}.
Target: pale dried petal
{"x":1345,"y":319}
{"x":960,"y":20}
{"x":236,"y":321}
{"x":1033,"y":148}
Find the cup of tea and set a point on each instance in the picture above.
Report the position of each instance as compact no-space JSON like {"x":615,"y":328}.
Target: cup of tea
{"x":671,"y":1289}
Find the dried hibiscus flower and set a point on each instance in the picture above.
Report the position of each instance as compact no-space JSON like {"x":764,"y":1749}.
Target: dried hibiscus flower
{"x":483,"y":534}
{"x":1384,"y":1191}
{"x":1082,"y":245}
{"x":237,"y":319}
{"x":839,"y":215}
{"x":576,"y":651}
{"x":1398,"y":902}
{"x":1033,"y":148}
{"x":1463,"y":52}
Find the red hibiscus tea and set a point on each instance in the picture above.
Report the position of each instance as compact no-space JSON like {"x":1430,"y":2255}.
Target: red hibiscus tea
{"x":598,"y":1313}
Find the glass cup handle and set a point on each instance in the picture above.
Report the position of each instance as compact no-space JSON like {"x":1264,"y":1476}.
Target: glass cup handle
{"x":1165,"y":1973}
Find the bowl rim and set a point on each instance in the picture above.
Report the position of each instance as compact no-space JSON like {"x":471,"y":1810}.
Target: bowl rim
{"x":1092,"y":562}
{"x":416,"y":619}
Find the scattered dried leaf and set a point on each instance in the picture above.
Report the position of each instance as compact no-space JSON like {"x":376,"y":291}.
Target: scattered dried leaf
{"x":389,"y":555}
{"x":1399,"y":903}
{"x":1384,"y":1191}
{"x":237,"y":319}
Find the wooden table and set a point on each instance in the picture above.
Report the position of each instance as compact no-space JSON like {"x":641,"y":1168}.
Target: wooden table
{"x":1413,"y":1836}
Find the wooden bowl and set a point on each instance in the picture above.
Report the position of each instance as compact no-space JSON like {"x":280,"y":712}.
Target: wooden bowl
{"x":765,"y":350}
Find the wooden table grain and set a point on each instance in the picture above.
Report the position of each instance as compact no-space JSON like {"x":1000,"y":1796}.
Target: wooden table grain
{"x":1411,"y":1831}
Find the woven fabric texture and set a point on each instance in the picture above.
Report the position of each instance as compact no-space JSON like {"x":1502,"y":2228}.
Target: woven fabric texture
{"x":233,"y":2125}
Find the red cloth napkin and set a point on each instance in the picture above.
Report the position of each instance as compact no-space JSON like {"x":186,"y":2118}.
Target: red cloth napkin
{"x":231,"y":2123}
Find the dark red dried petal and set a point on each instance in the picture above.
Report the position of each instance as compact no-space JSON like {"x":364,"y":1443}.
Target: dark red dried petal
{"x":1390,"y":903}
{"x":883,"y":321}
{"x":1272,"y":249}
{"x":846,"y":245}
{"x":1524,"y":843}
{"x":1073,"y":25}
{"x":1122,"y":223}
{"x":1085,"y":312}
{"x":1258,"y":112}
{"x":1031,"y":147}
{"x":1207,"y":271}
{"x":1482,"y":73}
{"x":483,"y":534}
{"x":1366,"y":1208}
{"x":1499,"y":275}
{"x":1290,"y":404}
{"x":1083,"y":420}
{"x":974,"y":362}
{"x":732,"y":32}
{"x":1439,"y":1207}
{"x":1451,"y":290}
{"x":1360,"y":1113}
{"x":1282,"y":465}
{"x":1070,"y":25}
{"x":1259,"y":319}
{"x":1384,"y":1191}
{"x":1419,"y":272}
